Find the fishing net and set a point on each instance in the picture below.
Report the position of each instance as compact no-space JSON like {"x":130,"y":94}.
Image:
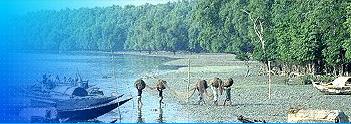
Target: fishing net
{"x":161,"y":84}
{"x":228,"y":83}
{"x":216,"y":82}
{"x":140,"y":84}
{"x":202,"y":86}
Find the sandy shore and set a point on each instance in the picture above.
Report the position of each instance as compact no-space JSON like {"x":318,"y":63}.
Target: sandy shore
{"x":249,"y":94}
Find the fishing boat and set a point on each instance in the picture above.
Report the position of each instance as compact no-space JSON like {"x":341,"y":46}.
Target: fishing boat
{"x":79,"y":113}
{"x":340,"y":86}
{"x":71,"y":110}
{"x":62,"y":102}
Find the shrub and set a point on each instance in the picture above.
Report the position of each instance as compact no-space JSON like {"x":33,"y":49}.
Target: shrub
{"x":307,"y":79}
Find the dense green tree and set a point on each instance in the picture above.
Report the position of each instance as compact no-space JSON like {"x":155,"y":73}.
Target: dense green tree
{"x":300,"y":33}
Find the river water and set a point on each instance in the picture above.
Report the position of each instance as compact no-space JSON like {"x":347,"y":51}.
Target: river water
{"x":122,"y":70}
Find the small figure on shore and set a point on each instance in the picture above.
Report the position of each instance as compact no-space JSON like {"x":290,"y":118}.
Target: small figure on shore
{"x":216,"y":85}
{"x":200,"y":86}
{"x":140,"y":85}
{"x":227,"y":84}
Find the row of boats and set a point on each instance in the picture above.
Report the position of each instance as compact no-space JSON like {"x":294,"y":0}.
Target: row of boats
{"x":53,"y":101}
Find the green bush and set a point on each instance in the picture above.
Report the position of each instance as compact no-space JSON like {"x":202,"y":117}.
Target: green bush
{"x":326,"y":79}
{"x":307,"y":79}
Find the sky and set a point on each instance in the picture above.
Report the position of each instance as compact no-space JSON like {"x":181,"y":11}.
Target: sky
{"x":15,"y":7}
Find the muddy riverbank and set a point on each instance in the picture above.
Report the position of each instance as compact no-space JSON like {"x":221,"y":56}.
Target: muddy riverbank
{"x":249,"y":94}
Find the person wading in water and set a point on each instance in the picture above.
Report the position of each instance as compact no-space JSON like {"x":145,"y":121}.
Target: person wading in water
{"x":140,"y":85}
{"x":160,"y":86}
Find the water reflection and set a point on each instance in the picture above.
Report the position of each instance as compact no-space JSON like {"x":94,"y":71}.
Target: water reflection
{"x":140,"y":116}
{"x":160,"y":115}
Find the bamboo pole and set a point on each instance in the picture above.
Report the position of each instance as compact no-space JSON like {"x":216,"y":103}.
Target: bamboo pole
{"x":188,"y":87}
{"x":269,"y":79}
{"x":115,"y":79}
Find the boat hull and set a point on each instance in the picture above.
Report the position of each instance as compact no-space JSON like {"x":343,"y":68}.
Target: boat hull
{"x":332,"y":91}
{"x":89,"y":113}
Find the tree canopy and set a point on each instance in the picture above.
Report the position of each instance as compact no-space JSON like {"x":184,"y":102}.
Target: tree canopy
{"x":294,"y":32}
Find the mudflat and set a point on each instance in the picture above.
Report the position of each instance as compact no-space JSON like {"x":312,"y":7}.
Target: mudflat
{"x":249,"y":93}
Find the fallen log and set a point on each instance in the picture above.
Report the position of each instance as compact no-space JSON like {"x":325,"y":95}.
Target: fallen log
{"x":249,"y":120}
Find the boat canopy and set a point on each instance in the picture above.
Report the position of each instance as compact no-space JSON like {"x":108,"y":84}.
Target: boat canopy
{"x":72,"y":91}
{"x":341,"y":81}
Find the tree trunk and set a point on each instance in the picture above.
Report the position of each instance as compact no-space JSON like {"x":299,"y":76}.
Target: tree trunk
{"x":342,"y":70}
{"x":313,"y":69}
{"x":248,"y":69}
{"x":298,"y":68}
{"x":290,"y":69}
{"x":309,"y":68}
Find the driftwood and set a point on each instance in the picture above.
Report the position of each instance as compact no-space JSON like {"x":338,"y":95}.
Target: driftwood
{"x":249,"y":120}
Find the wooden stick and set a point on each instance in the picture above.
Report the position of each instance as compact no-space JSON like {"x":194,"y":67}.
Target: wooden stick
{"x":269,"y":79}
{"x":188,"y":79}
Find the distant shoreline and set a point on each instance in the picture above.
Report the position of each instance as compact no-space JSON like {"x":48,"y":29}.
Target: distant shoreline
{"x":181,"y":54}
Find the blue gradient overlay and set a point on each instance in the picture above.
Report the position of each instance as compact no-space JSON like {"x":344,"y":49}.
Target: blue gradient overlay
{"x":17,"y":68}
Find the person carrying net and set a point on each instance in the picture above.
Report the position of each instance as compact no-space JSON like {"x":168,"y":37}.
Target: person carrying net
{"x":227,"y":84}
{"x":160,"y":86}
{"x":140,"y":86}
{"x":200,"y":86}
{"x":216,"y":85}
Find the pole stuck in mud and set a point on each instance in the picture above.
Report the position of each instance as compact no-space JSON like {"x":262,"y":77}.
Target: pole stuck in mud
{"x":269,"y":79}
{"x":188,"y":80}
{"x":115,"y":80}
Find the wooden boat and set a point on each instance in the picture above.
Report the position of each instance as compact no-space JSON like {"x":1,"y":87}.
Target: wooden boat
{"x":340,"y":86}
{"x":72,"y":109}
{"x":88,"y":112}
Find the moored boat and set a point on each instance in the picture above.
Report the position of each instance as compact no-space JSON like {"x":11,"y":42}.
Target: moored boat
{"x":70,"y":110}
{"x":340,"y":86}
{"x":89,"y":112}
